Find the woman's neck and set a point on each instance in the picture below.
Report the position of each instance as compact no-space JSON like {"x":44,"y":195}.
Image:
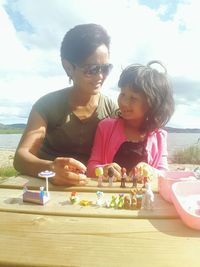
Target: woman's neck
{"x":83,"y":106}
{"x":78,"y":98}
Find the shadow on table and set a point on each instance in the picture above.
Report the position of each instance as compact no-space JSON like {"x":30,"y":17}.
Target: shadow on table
{"x":14,"y":200}
{"x":174,"y":227}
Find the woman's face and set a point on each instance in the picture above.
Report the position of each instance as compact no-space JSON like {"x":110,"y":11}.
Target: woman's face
{"x":84,"y":76}
{"x":133,"y":105}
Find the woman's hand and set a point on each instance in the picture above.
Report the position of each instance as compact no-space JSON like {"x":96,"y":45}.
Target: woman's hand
{"x":117,"y":171}
{"x":68,"y":172}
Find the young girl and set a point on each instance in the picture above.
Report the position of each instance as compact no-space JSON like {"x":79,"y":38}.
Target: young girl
{"x":146,"y":104}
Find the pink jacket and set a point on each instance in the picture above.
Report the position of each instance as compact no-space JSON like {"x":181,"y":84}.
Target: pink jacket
{"x":109,"y":137}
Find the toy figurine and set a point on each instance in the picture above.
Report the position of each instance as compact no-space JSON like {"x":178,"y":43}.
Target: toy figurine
{"x":41,"y":191}
{"x":74,"y":198}
{"x":139,"y":198}
{"x":100,"y":201}
{"x":144,"y":173}
{"x":110,"y":175}
{"x":38,"y":197}
{"x":123,"y":178}
{"x":113,"y":202}
{"x":120,"y":203}
{"x":133,"y":199}
{"x":46,"y":174}
{"x":148,"y":198}
{"x":127,"y":202}
{"x":99,"y":174}
{"x":133,"y":178}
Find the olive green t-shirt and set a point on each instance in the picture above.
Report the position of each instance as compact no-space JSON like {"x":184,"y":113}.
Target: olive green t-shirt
{"x":67,"y":135}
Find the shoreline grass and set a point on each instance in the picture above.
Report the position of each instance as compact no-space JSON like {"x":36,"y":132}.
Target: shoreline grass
{"x":7,"y":171}
{"x":189,"y":155}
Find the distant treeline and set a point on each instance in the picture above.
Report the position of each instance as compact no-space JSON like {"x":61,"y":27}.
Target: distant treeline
{"x":17,"y":128}
{"x":11,"y":131}
{"x":181,"y":130}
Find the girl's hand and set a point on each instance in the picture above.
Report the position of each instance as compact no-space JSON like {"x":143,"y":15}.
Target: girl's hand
{"x":117,"y":171}
{"x":68,"y":172}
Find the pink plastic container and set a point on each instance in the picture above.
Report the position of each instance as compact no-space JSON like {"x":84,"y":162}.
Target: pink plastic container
{"x":168,"y":178}
{"x":186,"y":199}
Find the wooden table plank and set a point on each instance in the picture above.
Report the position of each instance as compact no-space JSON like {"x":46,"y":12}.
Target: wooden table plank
{"x":59,"y":204}
{"x":34,"y":183}
{"x":38,"y":240}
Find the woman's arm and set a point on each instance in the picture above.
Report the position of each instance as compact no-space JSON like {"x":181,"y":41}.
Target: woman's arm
{"x":26,"y":161}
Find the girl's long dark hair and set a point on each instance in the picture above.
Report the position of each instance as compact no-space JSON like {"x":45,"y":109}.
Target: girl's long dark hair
{"x":157,"y":89}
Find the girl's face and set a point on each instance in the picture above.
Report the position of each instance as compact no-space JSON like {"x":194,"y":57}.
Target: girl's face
{"x":133,"y":105}
{"x":90,"y":76}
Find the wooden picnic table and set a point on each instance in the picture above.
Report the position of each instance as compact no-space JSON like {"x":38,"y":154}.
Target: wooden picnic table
{"x":62,"y":234}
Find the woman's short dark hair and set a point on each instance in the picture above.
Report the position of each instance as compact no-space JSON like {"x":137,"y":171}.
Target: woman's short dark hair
{"x":81,"y":41}
{"x":157,"y":89}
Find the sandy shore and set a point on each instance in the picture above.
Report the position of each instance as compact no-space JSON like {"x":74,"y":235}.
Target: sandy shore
{"x":6,"y":159}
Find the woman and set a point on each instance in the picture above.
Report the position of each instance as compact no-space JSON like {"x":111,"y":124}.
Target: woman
{"x":62,"y":124}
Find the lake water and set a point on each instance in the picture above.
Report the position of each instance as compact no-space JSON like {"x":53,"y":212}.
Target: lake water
{"x":178,"y":141}
{"x":9,"y":141}
{"x":175,"y":141}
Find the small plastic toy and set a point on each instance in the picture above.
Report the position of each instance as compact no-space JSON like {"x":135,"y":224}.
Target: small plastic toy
{"x":136,"y":198}
{"x":42,"y":191}
{"x":144,"y":172}
{"x":100,"y":201}
{"x":85,"y":202}
{"x":133,"y":199}
{"x":123,"y":178}
{"x":133,"y":177}
{"x":139,"y":198}
{"x":127,"y":202}
{"x":110,"y":175}
{"x":99,"y":174}
{"x":74,"y":198}
{"x":41,"y":197}
{"x":113,"y":202}
{"x":148,"y":198}
{"x":120,"y":203}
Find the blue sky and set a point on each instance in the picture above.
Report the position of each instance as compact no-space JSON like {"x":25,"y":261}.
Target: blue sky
{"x":31,"y":33}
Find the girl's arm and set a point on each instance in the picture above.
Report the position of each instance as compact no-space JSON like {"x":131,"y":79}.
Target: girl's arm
{"x":162,"y":146}
{"x":96,"y":157}
{"x":99,"y":154}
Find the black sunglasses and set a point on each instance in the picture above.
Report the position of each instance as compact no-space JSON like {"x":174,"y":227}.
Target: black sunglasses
{"x":95,"y":69}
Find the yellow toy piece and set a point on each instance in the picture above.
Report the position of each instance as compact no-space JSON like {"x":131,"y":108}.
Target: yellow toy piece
{"x":85,"y":202}
{"x":99,"y":174}
{"x":99,"y":171}
{"x":144,"y":170}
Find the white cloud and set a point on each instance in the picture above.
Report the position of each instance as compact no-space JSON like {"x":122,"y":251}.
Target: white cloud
{"x":30,"y":62}
{"x":185,"y":117}
{"x":12,"y":53}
